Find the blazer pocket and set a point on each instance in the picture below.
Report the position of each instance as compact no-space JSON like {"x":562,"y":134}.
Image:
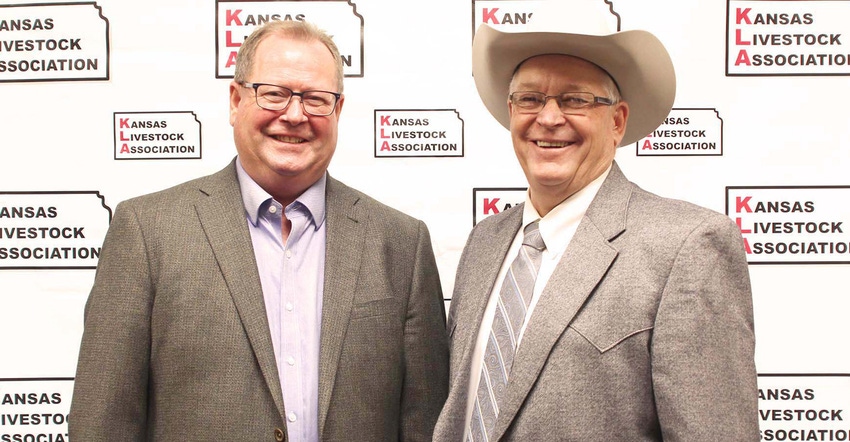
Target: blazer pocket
{"x":605,"y":340}
{"x":378,"y":307}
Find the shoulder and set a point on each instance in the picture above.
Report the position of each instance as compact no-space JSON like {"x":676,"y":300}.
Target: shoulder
{"x":661,"y":228}
{"x":505,"y":222}
{"x":186,"y":193}
{"x":366,"y":208}
{"x":622,"y":205}
{"x":672,"y":214}
{"x":637,"y":219}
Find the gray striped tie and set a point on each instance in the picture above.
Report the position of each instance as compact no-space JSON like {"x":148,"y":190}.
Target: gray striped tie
{"x":510,"y":315}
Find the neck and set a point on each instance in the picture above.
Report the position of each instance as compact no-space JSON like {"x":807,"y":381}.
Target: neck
{"x":544,"y":204}
{"x":286,"y":189}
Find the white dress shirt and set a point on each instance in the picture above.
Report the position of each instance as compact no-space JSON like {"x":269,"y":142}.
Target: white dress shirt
{"x":557,"y":229}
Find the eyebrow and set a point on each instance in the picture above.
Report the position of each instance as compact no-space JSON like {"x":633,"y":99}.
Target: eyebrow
{"x":568,"y":86}
{"x":572,"y":87}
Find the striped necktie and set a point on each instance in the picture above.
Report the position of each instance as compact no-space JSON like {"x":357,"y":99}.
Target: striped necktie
{"x":514,"y":298}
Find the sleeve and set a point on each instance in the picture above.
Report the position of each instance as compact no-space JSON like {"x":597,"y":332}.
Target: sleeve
{"x":703,"y":344}
{"x":109,"y":402}
{"x":426,"y":347}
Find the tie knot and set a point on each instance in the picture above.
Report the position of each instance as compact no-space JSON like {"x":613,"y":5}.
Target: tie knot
{"x":532,"y":236}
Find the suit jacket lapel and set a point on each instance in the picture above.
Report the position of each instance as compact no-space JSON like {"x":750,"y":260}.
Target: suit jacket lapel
{"x":222,"y":216}
{"x":583,"y":265}
{"x":480,"y":268}
{"x":344,"y":244}
{"x":476,"y":284}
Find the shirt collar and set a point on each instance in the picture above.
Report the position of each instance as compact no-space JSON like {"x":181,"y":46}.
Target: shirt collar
{"x":254,"y":197}
{"x":568,"y":213}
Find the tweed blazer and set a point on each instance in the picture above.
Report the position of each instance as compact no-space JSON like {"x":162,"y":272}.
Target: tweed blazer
{"x":644,"y":332}
{"x":176,"y":343}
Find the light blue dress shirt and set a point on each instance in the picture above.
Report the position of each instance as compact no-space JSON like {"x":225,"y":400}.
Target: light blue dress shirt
{"x":292,"y":277}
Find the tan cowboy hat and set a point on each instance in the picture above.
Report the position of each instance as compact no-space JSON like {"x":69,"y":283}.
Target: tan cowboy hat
{"x":636,"y":60}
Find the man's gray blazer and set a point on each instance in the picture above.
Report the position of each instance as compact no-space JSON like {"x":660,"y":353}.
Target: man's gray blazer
{"x":176,"y":345}
{"x":643,"y":333}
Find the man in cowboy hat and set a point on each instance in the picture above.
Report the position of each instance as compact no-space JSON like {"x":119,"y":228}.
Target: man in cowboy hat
{"x":632,"y":319}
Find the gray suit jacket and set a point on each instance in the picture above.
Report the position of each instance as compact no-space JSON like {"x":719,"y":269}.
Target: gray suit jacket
{"x":176,"y":345}
{"x":643,"y":333}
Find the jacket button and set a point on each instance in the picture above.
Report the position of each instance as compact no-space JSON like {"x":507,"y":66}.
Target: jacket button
{"x":278,"y":435}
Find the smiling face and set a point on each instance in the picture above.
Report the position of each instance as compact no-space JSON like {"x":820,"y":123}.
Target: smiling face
{"x":286,"y":151}
{"x":562,"y":153}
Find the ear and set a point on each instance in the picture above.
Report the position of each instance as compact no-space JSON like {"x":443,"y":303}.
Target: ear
{"x":235,"y":99}
{"x":339,"y":102}
{"x":621,"y":118}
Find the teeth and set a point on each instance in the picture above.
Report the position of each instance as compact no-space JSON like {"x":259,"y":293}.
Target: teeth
{"x":289,"y":139}
{"x":548,"y":144}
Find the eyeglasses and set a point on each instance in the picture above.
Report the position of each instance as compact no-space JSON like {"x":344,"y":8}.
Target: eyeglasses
{"x":276,"y":98}
{"x":534,"y":102}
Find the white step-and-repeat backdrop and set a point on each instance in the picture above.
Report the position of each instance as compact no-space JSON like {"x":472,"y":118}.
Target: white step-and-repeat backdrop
{"x":104,"y":100}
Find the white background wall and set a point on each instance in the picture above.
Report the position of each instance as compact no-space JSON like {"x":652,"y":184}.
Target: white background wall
{"x":780,"y":127}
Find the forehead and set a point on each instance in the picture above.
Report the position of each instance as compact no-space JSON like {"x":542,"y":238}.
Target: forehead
{"x":279,"y":52}
{"x":559,"y":70}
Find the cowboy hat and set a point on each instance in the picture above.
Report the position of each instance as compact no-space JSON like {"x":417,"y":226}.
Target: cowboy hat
{"x":636,"y":60}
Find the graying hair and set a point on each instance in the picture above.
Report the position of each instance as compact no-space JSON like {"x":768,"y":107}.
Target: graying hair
{"x":298,"y":30}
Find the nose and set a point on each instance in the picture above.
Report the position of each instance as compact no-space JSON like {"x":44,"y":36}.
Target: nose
{"x":294,"y":112}
{"x":551,"y":114}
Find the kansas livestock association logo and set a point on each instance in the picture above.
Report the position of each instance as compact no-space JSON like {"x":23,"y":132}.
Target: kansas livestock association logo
{"x":52,"y":230}
{"x":792,"y":225}
{"x":53,"y":42}
{"x":801,"y":37}
{"x":157,"y":135}
{"x":418,"y":133}
{"x":514,"y":15}
{"x":489,"y":201}
{"x":235,"y":20}
{"x":685,"y":132}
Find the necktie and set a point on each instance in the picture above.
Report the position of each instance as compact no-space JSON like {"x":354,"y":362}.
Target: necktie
{"x":514,"y":297}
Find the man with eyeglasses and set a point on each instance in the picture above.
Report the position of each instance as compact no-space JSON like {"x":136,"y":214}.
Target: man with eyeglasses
{"x":267,"y":301}
{"x":595,"y":311}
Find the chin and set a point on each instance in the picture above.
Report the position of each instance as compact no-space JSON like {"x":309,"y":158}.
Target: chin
{"x":552,"y":176}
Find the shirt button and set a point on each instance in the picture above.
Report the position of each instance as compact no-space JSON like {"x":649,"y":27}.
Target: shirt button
{"x":291,"y":361}
{"x":273,"y":209}
{"x":292,"y":417}
{"x":289,"y":253}
{"x":289,"y":306}
{"x":278,"y":435}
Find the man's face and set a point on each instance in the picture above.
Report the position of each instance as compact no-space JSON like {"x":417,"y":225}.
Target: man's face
{"x":285,"y":151}
{"x":559,"y":152}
